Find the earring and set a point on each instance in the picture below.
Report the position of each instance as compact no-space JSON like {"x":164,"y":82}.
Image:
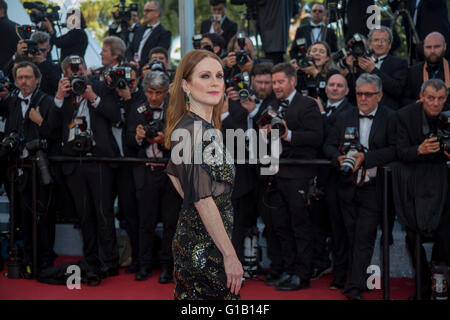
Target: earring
{"x":187,"y":97}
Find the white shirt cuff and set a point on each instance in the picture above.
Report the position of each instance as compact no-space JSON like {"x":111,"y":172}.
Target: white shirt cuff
{"x":58,"y":102}
{"x":288,"y":138}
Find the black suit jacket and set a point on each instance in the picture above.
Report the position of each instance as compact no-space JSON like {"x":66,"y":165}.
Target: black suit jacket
{"x":414,"y":81}
{"x":51,"y":73}
{"x":393,"y":73}
{"x":160,"y":37}
{"x":330,"y":121}
{"x":140,"y":113}
{"x":303,"y":118}
{"x":381,"y":143}
{"x":356,"y":17}
{"x":9,"y":40}
{"x":73,"y":42}
{"x":305,"y":31}
{"x":229,"y":28}
{"x":410,"y":134}
{"x":101,"y":117}
{"x":11,"y":108}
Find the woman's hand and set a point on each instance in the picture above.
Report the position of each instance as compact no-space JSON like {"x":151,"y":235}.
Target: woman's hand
{"x":234,"y":272}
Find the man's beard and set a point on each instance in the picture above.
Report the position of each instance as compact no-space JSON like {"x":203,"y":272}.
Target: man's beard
{"x":262,"y":95}
{"x":434,"y":59}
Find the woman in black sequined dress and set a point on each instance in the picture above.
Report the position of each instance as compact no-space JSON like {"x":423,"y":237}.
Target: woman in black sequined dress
{"x":205,"y":263}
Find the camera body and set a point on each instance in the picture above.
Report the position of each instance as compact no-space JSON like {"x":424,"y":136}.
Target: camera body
{"x":356,"y":46}
{"x":82,"y":142}
{"x":78,"y":84}
{"x":124,"y":12}
{"x":350,"y":146}
{"x":152,"y":128}
{"x":120,"y":77}
{"x":10,"y":144}
{"x":32,"y":48}
{"x":313,"y":90}
{"x":272,"y":117}
{"x":5,"y":82}
{"x":240,"y":83}
{"x":241,"y":55}
{"x":302,"y":58}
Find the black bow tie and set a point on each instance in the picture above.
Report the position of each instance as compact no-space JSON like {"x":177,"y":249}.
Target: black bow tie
{"x":368,"y":116}
{"x":149,"y":27}
{"x":318,"y":27}
{"x":330,"y":108}
{"x":156,"y":109}
{"x":25,"y":100}
{"x":284,"y":103}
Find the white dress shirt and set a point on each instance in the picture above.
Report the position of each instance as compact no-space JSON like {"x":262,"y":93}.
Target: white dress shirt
{"x":147,"y":34}
{"x":365,"y":125}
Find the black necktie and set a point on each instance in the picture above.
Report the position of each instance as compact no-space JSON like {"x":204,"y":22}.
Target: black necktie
{"x":24,"y":100}
{"x":368,"y":116}
{"x":318,"y":27}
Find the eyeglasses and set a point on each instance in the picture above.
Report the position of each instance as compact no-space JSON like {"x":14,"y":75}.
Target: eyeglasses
{"x":149,"y":10}
{"x":380,"y":40}
{"x":317,"y":10}
{"x":367,"y":94}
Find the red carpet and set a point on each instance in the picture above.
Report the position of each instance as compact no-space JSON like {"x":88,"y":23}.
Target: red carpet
{"x":124,"y":287}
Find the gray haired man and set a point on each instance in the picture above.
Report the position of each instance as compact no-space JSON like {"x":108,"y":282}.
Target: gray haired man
{"x":369,"y":131}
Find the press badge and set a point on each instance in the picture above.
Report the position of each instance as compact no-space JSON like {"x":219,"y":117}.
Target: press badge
{"x":142,"y":109}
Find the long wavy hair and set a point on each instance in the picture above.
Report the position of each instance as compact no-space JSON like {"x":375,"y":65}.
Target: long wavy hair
{"x":177,"y":103}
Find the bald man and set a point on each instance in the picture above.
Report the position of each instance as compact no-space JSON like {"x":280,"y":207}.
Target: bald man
{"x":434,"y":66}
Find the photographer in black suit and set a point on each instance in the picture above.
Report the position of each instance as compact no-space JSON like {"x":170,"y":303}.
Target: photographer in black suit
{"x":315,"y":31}
{"x":219,"y":22}
{"x":151,"y":34}
{"x":241,"y":54}
{"x":73,"y":42}
{"x":27,"y":116}
{"x":9,"y":36}
{"x":392,"y":70}
{"x":155,"y":193}
{"x":85,"y":111}
{"x":302,"y":139}
{"x":435,"y":66}
{"x":249,"y":185}
{"x":423,"y":159}
{"x":362,"y":140}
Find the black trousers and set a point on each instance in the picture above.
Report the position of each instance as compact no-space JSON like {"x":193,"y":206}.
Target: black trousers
{"x":362,"y":214}
{"x":125,"y":190}
{"x":91,"y":186}
{"x":293,"y":226}
{"x":45,"y":219}
{"x":338,"y":230}
{"x":440,"y":252}
{"x":157,"y":195}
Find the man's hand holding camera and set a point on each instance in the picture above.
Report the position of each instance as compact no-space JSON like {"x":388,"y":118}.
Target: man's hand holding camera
{"x":22,"y":47}
{"x":89,"y":93}
{"x":366,"y":63}
{"x":35,"y":116}
{"x":428,"y":146}
{"x":359,"y":157}
{"x":63,"y":88}
{"x":249,"y":104}
{"x":124,"y":93}
{"x":141,"y":135}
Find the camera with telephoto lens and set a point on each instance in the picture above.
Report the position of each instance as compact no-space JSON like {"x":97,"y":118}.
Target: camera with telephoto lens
{"x":303,"y":59}
{"x":197,"y":41}
{"x":339,"y":57}
{"x":152,"y":128}
{"x":272,"y":117}
{"x":443,"y":131}
{"x":241,"y":84}
{"x":82,"y":142}
{"x":37,"y":148}
{"x":32,"y":48}
{"x":45,"y":11}
{"x":350,"y":146}
{"x":241,"y":55}
{"x":78,"y":83}
{"x":10,"y":144}
{"x":313,"y":90}
{"x":120,"y":77}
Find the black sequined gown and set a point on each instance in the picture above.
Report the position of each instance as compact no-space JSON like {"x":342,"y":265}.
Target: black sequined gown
{"x":198,"y":264}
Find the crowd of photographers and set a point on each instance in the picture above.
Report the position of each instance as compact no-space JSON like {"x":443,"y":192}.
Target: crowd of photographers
{"x":359,"y":106}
